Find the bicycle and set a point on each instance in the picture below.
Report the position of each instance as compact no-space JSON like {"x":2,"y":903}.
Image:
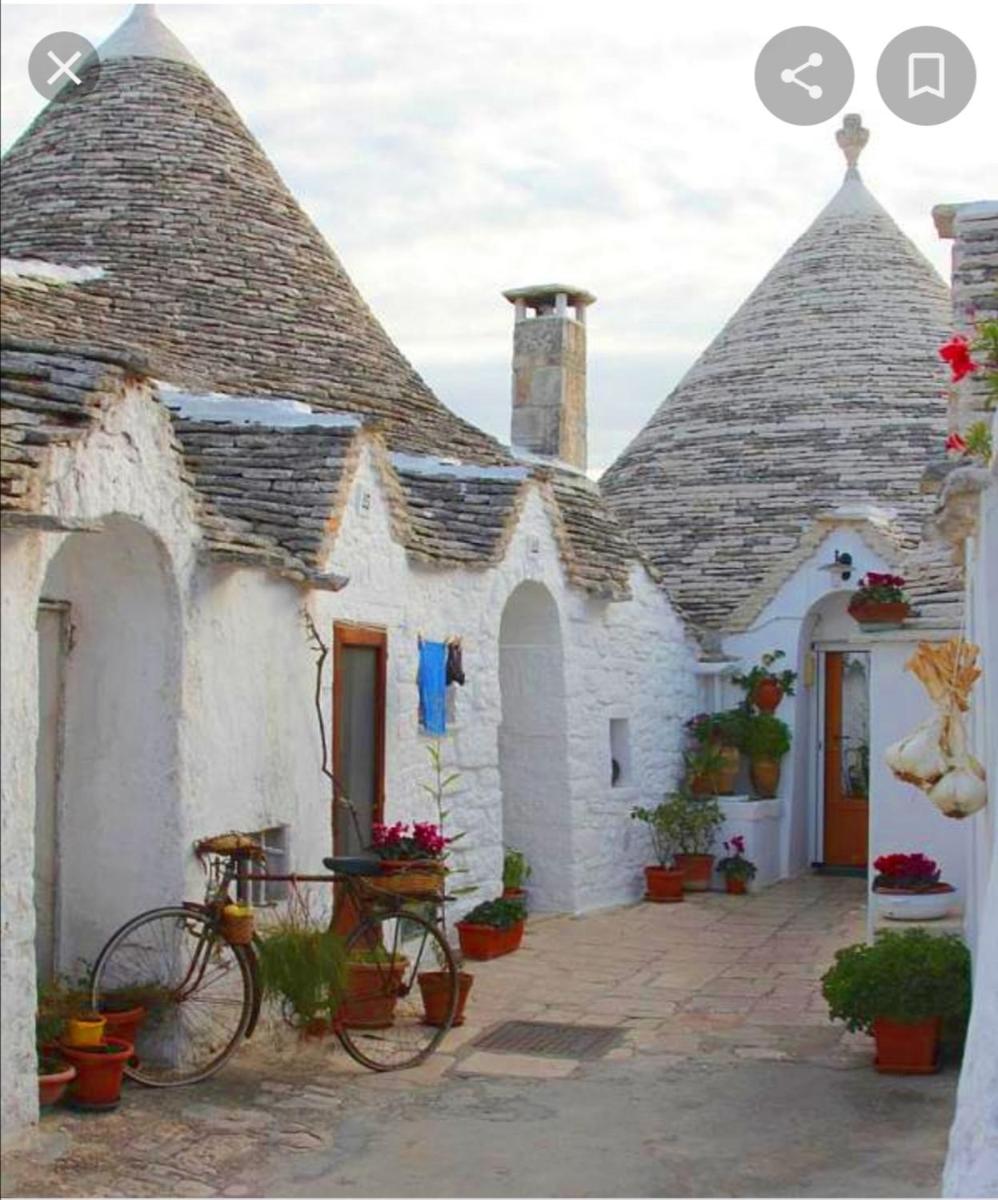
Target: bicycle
{"x":206,"y":988}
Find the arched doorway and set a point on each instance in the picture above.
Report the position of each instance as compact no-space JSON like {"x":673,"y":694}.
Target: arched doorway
{"x":533,"y":745}
{"x":107,"y":813}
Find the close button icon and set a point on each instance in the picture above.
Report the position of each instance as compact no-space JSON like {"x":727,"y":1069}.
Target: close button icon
{"x":63,"y":65}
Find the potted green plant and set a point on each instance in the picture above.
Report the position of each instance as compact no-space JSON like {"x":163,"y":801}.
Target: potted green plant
{"x":764,"y":688}
{"x":697,"y":821}
{"x":664,"y":880}
{"x":908,"y":888}
{"x":515,"y":873}
{"x":492,"y":928}
{"x":367,"y":1002}
{"x":879,"y":600}
{"x":435,"y":986}
{"x":302,"y":967}
{"x":738,"y":871}
{"x":766,"y":741}
{"x":715,"y":762}
{"x":907,"y":989}
{"x":54,"y":1073}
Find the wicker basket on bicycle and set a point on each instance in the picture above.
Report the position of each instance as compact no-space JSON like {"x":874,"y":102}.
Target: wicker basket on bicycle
{"x":421,"y":878}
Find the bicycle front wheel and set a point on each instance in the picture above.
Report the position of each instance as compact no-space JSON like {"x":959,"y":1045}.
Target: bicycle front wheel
{"x":196,"y":989}
{"x":383,"y":1022}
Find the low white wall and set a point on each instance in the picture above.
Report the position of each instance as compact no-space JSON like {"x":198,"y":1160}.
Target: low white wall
{"x":758,"y":822}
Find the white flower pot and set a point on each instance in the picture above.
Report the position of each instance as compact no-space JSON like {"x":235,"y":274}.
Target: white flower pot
{"x":899,"y":905}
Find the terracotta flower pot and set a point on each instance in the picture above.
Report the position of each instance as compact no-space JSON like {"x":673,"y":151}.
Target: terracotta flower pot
{"x":512,"y":893}
{"x":435,"y":989}
{"x":485,"y":941}
{"x":873,"y":612}
{"x":52,"y":1084}
{"x":726,"y":776}
{"x":371,"y":995}
{"x":905,"y":1048}
{"x":704,"y":785}
{"x":765,"y":773}
{"x":735,"y":887}
{"x":664,"y":885}
{"x":99,"y":1072}
{"x":767,"y":694}
{"x":696,"y":870}
{"x":125,"y":1024}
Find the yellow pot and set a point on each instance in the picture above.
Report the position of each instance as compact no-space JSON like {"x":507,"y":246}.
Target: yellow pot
{"x":84,"y":1031}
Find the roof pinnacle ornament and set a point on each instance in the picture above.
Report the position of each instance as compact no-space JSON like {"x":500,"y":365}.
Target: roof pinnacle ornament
{"x":852,"y":137}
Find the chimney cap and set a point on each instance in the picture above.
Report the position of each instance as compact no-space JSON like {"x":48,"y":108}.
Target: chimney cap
{"x":544,"y":295}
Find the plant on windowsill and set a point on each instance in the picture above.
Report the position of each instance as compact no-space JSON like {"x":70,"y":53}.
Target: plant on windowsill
{"x":764,"y":689}
{"x":492,"y":928}
{"x":738,"y":871}
{"x":766,"y":740}
{"x":697,"y":821}
{"x":911,"y":990}
{"x":664,"y":881}
{"x":908,"y":888}
{"x":715,"y":762}
{"x":879,"y":600}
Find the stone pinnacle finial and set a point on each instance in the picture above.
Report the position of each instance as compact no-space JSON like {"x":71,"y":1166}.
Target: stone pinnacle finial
{"x":852,"y":137}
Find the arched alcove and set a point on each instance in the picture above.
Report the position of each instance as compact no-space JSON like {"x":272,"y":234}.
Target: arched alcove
{"x":533,"y":745}
{"x":107,"y":809}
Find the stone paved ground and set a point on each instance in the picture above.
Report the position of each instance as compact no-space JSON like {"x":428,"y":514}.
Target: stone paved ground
{"x":728,"y":1080}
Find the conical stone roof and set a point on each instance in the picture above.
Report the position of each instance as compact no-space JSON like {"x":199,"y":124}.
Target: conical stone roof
{"x":823,"y":390}
{"x":211,"y":267}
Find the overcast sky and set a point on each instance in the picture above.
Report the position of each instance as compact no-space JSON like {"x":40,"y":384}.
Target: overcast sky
{"x":451,"y":152}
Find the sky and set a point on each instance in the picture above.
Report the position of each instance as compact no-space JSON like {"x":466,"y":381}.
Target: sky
{"x":451,"y":152}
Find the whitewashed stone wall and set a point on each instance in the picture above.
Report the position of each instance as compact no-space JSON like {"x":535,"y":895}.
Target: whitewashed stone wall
{"x":232,"y":723}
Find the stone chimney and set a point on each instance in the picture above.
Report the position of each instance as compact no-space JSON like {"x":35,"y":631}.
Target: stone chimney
{"x":549,"y":371}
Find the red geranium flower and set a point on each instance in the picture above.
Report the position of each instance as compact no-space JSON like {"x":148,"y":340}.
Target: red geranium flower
{"x":956,"y":352}
{"x":955,"y":444}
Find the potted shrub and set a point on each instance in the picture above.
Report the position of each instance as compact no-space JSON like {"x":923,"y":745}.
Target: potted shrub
{"x":766,"y":741}
{"x":492,"y":928}
{"x":697,"y":822}
{"x":515,"y":873}
{"x":716,"y":772}
{"x":907,"y":989}
{"x":302,"y":967}
{"x":879,"y":600}
{"x":738,"y":871}
{"x":664,"y":881}
{"x":908,"y":888}
{"x":54,"y":1073}
{"x":100,"y":1070}
{"x":434,"y":986}
{"x":764,"y":688}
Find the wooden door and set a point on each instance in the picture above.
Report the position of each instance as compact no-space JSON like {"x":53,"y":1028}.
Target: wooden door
{"x":359,"y":681}
{"x":846,"y":759}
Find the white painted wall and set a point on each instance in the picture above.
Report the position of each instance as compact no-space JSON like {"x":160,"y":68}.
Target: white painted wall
{"x":211,"y":667}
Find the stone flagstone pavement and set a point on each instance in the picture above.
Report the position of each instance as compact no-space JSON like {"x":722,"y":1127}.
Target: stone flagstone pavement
{"x":723,"y":985}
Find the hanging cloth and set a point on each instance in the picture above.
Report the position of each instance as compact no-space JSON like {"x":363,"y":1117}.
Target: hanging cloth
{"x":432,"y":681}
{"x":455,"y":662}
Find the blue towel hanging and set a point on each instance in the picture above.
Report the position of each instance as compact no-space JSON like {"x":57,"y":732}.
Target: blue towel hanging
{"x":432,"y":680}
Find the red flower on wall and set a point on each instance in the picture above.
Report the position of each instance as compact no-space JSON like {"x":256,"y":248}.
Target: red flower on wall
{"x":955,"y":444}
{"x":956,"y":353}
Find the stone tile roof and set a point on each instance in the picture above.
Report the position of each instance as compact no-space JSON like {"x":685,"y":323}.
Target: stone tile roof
{"x":204,"y":262}
{"x":823,"y":389}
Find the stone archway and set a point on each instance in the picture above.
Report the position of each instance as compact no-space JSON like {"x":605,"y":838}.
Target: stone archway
{"x":108,"y":821}
{"x":533,"y":744}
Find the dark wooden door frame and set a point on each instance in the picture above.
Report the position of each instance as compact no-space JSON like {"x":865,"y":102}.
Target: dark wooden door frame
{"x":344,"y":635}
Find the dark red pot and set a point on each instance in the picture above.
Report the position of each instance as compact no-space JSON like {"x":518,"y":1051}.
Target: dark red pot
{"x":697,"y":870}
{"x":485,"y":941}
{"x":735,"y":887}
{"x":664,"y":885}
{"x":52,"y":1084}
{"x":98,"y":1075}
{"x":767,"y":694}
{"x":907,"y":1048}
{"x":872,"y":612}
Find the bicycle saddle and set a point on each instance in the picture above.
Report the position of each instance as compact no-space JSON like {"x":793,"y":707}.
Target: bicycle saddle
{"x":355,"y":865}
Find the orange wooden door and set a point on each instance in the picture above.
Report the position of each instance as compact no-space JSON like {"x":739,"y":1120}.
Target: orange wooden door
{"x":847,"y":803}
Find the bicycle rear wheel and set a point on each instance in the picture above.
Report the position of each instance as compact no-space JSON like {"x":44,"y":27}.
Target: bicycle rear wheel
{"x":197,"y":990}
{"x":381,"y":1021}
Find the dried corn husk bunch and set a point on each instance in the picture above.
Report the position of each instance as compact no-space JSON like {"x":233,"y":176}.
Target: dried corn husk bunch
{"x":935,"y":757}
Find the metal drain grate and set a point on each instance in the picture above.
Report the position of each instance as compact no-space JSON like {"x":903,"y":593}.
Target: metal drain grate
{"x":550,"y":1039}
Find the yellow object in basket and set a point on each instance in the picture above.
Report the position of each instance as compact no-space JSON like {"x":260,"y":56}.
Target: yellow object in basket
{"x":234,"y":911}
{"x":84,"y":1031}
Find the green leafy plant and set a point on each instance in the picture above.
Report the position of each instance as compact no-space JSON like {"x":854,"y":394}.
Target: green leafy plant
{"x":977,"y":439}
{"x":515,"y":869}
{"x":704,"y":762}
{"x":499,"y":914}
{"x":986,"y":346}
{"x":765,"y":736}
{"x":692,"y":821}
{"x":735,"y":865}
{"x":302,"y":965}
{"x":720,"y":729}
{"x":750,"y":680}
{"x":906,"y":977}
{"x":664,"y":823}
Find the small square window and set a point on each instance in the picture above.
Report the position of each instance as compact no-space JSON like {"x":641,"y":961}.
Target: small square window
{"x":620,"y":752}
{"x":265,"y":893}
